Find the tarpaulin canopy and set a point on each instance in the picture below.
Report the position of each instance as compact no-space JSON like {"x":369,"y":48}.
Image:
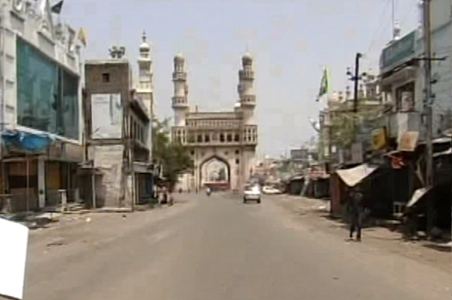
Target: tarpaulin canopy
{"x":417,"y":195}
{"x":447,"y":152}
{"x":31,"y":142}
{"x":353,"y":176}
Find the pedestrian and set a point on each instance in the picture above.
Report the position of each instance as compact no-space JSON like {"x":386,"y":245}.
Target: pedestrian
{"x":356,"y":213}
{"x":410,"y":223}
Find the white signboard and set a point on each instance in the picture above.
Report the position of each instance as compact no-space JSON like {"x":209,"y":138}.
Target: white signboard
{"x":106,"y":116}
{"x":357,"y":153}
{"x":13,"y":255}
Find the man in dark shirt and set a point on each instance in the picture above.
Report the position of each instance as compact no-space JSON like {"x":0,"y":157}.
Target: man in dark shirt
{"x":356,"y":213}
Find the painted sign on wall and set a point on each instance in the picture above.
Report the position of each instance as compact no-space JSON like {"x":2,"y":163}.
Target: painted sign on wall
{"x":398,"y":51}
{"x":106,"y":116}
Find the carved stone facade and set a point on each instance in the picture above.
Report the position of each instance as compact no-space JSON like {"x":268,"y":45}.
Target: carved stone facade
{"x":227,"y":137}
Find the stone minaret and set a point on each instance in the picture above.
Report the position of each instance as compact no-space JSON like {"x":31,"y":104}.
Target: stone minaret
{"x":180,"y":103}
{"x":246,"y":90}
{"x":145,"y":89}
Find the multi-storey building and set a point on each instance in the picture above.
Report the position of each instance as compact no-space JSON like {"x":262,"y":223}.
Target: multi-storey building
{"x":222,"y":144}
{"x":40,"y":107}
{"x":402,"y":77}
{"x":118,"y":123}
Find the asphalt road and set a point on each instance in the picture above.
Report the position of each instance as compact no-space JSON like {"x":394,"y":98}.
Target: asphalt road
{"x":215,"y":248}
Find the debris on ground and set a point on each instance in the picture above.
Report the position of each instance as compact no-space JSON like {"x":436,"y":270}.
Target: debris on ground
{"x":56,"y":242}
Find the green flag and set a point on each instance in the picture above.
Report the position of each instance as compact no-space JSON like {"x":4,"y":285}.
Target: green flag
{"x":324,"y":85}
{"x":56,"y":8}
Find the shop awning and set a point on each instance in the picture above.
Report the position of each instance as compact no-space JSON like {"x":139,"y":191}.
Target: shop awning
{"x":447,"y":152}
{"x":417,"y":195}
{"x":353,"y":176}
{"x":143,"y":167}
{"x":296,"y":177}
{"x":25,"y":141}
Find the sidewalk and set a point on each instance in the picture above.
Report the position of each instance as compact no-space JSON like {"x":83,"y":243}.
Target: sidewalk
{"x":315,"y":214}
{"x":55,"y":217}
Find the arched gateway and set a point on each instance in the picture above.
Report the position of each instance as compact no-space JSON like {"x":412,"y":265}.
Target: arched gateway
{"x":222,"y":144}
{"x":215,"y":173}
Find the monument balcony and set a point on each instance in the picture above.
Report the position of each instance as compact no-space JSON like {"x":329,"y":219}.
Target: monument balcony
{"x":179,"y":133}
{"x":179,"y":76}
{"x":179,"y":101}
{"x":248,"y":100}
{"x":246,"y":74}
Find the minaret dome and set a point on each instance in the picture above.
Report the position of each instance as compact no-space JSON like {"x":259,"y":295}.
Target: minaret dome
{"x":247,"y":59}
{"x":179,"y":58}
{"x":144,"y":47}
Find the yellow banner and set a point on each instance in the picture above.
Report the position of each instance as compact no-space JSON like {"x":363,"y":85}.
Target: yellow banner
{"x":379,"y":138}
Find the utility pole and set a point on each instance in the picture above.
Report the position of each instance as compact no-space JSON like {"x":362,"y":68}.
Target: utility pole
{"x":356,"y":83}
{"x":428,"y":108}
{"x":356,"y":77}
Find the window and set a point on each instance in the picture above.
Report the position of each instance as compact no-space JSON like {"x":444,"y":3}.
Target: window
{"x":221,"y":137}
{"x":199,"y":138}
{"x":229,"y":137}
{"x":47,"y":94}
{"x":192,"y":153}
{"x":237,"y":152}
{"x":237,"y":161}
{"x":236,"y":138}
{"x":405,"y":97}
{"x":207,"y":138}
{"x":105,"y":77}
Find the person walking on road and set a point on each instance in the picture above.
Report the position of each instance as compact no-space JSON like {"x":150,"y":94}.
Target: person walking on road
{"x":356,"y":213}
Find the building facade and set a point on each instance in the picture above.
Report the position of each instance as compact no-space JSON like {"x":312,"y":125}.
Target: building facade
{"x":345,"y":136}
{"x":40,"y":104}
{"x":402,"y":77}
{"x":222,"y":144}
{"x":118,"y":123}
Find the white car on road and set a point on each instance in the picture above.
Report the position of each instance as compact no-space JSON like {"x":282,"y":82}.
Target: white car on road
{"x":270,"y":190}
{"x":252,"y":193}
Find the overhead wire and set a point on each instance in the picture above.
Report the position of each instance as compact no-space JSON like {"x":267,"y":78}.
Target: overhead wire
{"x":382,"y":25}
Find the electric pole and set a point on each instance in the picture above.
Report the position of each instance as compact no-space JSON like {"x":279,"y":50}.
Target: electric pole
{"x":356,"y":77}
{"x":356,"y":83}
{"x":428,"y":108}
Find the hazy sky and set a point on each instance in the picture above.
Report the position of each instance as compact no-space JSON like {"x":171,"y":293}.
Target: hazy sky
{"x":290,"y":41}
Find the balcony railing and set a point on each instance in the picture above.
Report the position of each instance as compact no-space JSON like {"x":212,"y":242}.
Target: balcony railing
{"x":246,"y":74}
{"x":179,"y":76}
{"x":179,"y":101}
{"x":249,"y":100}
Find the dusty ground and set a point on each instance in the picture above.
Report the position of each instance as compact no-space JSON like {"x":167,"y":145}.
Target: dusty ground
{"x":216,"y":247}
{"x":314,"y":213}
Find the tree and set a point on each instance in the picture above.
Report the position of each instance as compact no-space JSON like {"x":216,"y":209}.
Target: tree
{"x":174,"y":157}
{"x":345,"y":124}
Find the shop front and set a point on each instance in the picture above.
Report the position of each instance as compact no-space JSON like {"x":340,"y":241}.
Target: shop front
{"x":38,"y":170}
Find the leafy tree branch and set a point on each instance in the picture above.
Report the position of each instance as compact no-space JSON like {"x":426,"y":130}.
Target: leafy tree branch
{"x":172,"y":155}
